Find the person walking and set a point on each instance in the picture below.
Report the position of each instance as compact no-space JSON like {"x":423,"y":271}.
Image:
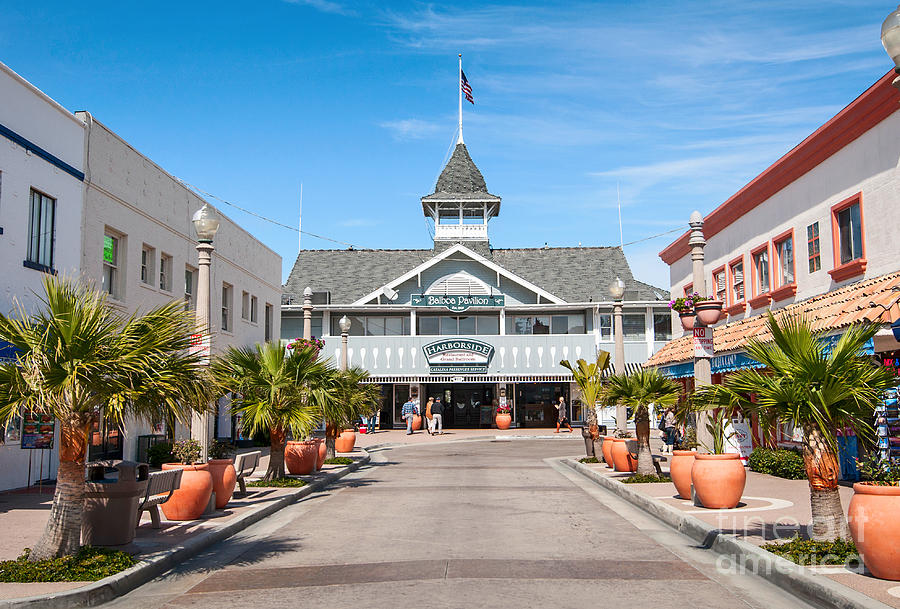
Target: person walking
{"x":429,"y":425}
{"x":669,"y":423}
{"x":437,"y":418}
{"x":563,"y":418}
{"x":408,"y":413}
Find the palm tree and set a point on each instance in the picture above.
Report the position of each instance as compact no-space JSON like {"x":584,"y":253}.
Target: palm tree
{"x":589,"y":379}
{"x":347,"y":399}
{"x":637,"y":391}
{"x":276,"y":390}
{"x":818,"y":392}
{"x":77,"y":356}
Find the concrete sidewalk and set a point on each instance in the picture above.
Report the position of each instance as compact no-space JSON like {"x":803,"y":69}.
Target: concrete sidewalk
{"x":23,"y":516}
{"x":771,"y":509}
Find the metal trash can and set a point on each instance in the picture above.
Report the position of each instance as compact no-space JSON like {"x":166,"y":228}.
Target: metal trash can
{"x":110,"y":506}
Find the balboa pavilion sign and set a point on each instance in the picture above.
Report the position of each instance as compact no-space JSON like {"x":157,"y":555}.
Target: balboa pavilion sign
{"x":457,"y":302}
{"x":458,"y":356}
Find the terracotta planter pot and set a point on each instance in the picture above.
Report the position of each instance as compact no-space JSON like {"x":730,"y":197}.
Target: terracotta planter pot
{"x":503,"y":421}
{"x":606,"y":449}
{"x":718,"y":480}
{"x":687,"y":320}
{"x":709,"y":311}
{"x":300,"y":457}
{"x":622,"y":459}
{"x":344,"y":443}
{"x":680,"y":470}
{"x":323,"y":451}
{"x":192,"y":497}
{"x":417,"y":422}
{"x":874,"y":527}
{"x":224,"y":478}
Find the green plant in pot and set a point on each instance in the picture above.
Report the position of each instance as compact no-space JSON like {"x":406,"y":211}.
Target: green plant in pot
{"x":192,"y":497}
{"x":817,"y":385}
{"x":872,"y":516}
{"x":589,"y":378}
{"x":187,"y":452}
{"x":718,"y":477}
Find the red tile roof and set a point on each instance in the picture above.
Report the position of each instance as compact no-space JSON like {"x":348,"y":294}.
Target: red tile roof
{"x":829,"y":311}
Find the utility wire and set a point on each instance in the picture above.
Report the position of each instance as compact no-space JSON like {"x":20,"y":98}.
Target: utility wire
{"x":668,"y":232}
{"x":203,"y":193}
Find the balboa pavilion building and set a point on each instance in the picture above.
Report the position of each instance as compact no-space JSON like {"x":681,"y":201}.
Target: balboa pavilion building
{"x":475,"y":325}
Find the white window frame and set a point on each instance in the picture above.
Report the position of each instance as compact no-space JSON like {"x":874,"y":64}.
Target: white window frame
{"x":148,"y":264}
{"x":110,"y":283}
{"x":227,"y":307}
{"x":165,"y":272}
{"x":254,"y":309}
{"x":245,"y":305}
{"x":41,"y":232}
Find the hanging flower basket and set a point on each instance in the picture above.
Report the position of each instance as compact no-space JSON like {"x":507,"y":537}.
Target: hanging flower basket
{"x":709,"y":312}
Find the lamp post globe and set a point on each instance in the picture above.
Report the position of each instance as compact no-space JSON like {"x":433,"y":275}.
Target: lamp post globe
{"x":890,"y":36}
{"x":344,"y":325}
{"x":206,"y":223}
{"x":617,"y":289}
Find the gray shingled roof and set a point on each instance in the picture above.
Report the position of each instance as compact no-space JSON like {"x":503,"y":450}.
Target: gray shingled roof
{"x":460,"y":180}
{"x":575,"y":274}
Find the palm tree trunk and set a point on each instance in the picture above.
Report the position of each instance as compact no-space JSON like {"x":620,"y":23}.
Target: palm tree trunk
{"x":62,"y":535}
{"x":642,"y":430}
{"x":331,"y":434}
{"x":277,"y":439}
{"x":823,"y":470}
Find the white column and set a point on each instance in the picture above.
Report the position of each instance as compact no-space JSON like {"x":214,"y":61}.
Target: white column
{"x":648,"y":333}
{"x":412,"y":322}
{"x":326,"y":323}
{"x":502,"y":321}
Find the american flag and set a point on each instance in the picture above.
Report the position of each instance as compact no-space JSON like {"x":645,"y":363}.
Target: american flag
{"x":466,"y":87}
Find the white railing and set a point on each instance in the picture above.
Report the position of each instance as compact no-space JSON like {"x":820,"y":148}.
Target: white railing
{"x":461,"y":231}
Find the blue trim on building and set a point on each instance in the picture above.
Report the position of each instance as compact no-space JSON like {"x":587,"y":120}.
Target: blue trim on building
{"x":677,"y":371}
{"x":37,"y":150}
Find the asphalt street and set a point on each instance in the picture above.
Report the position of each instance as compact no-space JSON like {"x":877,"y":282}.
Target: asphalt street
{"x":459,"y":524}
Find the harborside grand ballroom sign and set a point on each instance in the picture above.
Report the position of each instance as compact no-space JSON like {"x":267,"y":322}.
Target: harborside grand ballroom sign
{"x":457,"y":302}
{"x":458,"y":356}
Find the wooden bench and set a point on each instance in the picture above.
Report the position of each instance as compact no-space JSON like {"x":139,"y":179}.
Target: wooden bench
{"x":159,"y":489}
{"x":631,"y":445}
{"x":244,"y":465}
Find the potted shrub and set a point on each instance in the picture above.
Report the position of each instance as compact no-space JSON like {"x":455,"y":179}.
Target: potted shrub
{"x":872,"y":517}
{"x":300,"y":457}
{"x":192,"y":497}
{"x":504,"y":417}
{"x":589,"y":378}
{"x":221,"y":468}
{"x":708,"y":310}
{"x":718,"y":477}
{"x":684,"y":306}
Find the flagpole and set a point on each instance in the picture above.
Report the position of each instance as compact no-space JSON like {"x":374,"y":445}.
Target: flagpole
{"x":459,"y":140}
{"x":300,"y":221}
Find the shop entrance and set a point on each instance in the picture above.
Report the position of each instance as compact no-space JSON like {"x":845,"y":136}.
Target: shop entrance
{"x":465,"y":405}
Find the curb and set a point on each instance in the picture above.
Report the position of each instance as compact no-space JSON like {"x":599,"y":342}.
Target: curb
{"x":742,"y":555}
{"x":108,"y":588}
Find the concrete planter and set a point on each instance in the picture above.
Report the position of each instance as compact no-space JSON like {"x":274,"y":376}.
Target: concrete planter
{"x":718,"y":480}
{"x":224,"y":478}
{"x":345,"y":442}
{"x":192,"y":497}
{"x":503,"y":421}
{"x":300,"y":457}
{"x":680,"y":470}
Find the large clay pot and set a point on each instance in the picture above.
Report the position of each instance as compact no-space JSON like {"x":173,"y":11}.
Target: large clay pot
{"x":189,"y":501}
{"x":300,"y":457}
{"x":323,"y":452}
{"x":417,"y":423}
{"x":709,"y":312}
{"x":344,"y":443}
{"x":687,"y":320}
{"x":503,"y":421}
{"x":718,"y":480}
{"x":622,"y":459}
{"x":873,"y":525}
{"x":606,"y":449}
{"x":224,"y":478}
{"x":680,"y":470}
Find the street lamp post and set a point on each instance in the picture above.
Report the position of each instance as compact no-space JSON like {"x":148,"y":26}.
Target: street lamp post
{"x":344,"y":324}
{"x":617,"y":291}
{"x":206,"y":224}
{"x":702,"y":364}
{"x":307,"y":313}
{"x":890,"y":39}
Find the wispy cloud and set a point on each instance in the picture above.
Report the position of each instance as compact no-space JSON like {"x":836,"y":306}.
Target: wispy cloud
{"x":358,"y":222}
{"x":325,"y":6}
{"x":412,"y":128}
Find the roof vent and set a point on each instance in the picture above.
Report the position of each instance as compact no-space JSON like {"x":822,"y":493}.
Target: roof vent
{"x":458,"y":283}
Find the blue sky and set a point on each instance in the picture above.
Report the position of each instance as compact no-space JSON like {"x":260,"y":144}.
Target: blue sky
{"x":680,"y":103}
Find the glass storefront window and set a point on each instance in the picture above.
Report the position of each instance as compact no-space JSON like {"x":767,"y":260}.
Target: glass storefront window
{"x":466,"y":325}
{"x":662,"y":326}
{"x":368,"y":325}
{"x":488,"y":325}
{"x":427,"y":326}
{"x":449,"y":326}
{"x":606,"y":327}
{"x":633,"y":326}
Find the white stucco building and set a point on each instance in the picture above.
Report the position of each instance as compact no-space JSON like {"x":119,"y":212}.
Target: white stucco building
{"x":76,"y":198}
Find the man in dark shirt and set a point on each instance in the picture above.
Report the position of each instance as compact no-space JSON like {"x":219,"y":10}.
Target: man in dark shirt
{"x":437,"y":416}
